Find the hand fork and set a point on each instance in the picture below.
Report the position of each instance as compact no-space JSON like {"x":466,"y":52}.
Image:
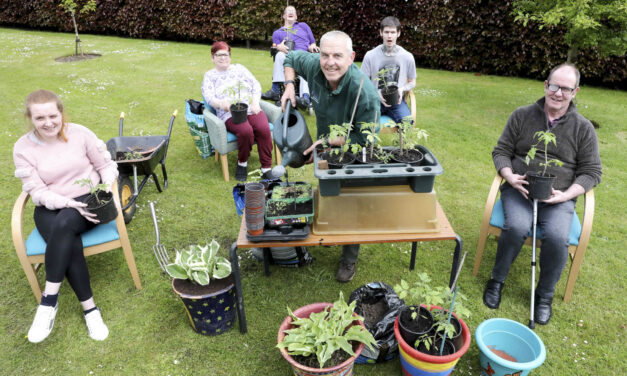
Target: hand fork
{"x":159,"y":249}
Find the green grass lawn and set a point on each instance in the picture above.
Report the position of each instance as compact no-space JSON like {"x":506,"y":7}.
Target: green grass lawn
{"x":149,"y":331}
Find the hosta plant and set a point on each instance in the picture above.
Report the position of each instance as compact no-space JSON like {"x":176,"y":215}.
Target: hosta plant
{"x":323,"y":333}
{"x":200,"y":264}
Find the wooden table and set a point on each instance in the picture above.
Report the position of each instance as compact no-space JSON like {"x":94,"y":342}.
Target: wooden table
{"x":446,"y":233}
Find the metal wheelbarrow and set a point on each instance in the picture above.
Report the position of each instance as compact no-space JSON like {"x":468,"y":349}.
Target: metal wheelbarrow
{"x":135,"y":156}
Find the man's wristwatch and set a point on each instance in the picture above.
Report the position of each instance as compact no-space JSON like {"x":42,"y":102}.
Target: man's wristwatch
{"x":289,"y":82}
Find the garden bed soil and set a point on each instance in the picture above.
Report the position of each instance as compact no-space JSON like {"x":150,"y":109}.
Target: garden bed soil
{"x":72,"y":58}
{"x":296,"y":191}
{"x":185,"y":286}
{"x":373,"y":313}
{"x":411,"y":156}
{"x":337,"y":358}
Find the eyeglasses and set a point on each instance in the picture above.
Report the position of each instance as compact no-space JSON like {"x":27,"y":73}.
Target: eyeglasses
{"x":565,"y":90}
{"x":221,"y":55}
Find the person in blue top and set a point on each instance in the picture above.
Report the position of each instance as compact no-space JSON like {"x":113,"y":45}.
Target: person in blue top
{"x":299,"y":37}
{"x":334,"y":83}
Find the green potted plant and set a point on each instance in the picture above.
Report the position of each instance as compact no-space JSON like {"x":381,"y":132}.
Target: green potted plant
{"x":99,"y":201}
{"x":421,"y":352}
{"x":289,"y":43}
{"x":541,"y":182}
{"x":238,"y":109}
{"x":345,"y":154}
{"x":323,"y":338}
{"x":289,"y":201}
{"x":203,"y":281}
{"x":408,"y":138}
{"x":388,"y":92}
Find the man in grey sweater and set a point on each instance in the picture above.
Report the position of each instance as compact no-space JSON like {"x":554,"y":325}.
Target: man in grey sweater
{"x":578,"y":149}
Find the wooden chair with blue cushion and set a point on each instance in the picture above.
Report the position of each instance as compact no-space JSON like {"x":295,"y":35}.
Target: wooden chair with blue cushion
{"x":225,"y":142}
{"x":493,"y":221}
{"x":388,"y":125}
{"x":104,"y":237}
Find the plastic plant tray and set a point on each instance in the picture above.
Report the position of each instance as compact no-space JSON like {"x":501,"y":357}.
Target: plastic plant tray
{"x":308,"y":215}
{"x":285,"y":233}
{"x":419,"y":178}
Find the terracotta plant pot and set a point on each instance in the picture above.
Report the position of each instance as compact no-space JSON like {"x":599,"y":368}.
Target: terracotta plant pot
{"x":343,"y":369}
{"x":211,"y":308}
{"x":415,"y":363}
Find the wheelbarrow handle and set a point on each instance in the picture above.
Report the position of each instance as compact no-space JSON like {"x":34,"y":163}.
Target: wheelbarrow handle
{"x":121,"y":123}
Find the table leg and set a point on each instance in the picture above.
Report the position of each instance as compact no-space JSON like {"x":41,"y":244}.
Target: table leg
{"x":267,"y":257}
{"x":412,"y":261}
{"x":241,"y":314}
{"x":458,"y":251}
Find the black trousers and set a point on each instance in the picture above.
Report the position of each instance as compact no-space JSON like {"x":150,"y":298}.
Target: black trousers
{"x":61,"y":229}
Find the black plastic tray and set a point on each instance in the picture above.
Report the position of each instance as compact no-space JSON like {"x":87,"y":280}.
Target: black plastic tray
{"x":280,"y":234}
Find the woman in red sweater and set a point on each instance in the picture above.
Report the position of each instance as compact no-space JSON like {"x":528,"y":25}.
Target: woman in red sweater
{"x":49,"y":159}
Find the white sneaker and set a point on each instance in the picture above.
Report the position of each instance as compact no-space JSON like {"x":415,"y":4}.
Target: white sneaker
{"x":95,"y":326}
{"x":43,"y":323}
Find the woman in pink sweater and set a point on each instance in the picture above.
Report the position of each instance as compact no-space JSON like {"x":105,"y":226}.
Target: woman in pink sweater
{"x":49,"y":159}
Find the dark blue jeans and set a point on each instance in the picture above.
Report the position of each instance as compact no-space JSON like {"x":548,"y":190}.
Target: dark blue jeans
{"x":397,"y":112}
{"x":553,"y":220}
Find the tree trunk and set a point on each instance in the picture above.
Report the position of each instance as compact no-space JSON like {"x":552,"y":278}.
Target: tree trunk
{"x":77,"y":41}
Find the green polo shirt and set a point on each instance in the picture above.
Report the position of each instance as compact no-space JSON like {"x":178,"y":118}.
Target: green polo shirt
{"x":336,"y":106}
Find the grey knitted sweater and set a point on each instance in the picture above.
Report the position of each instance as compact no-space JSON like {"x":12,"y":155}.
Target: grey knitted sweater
{"x":577,"y":146}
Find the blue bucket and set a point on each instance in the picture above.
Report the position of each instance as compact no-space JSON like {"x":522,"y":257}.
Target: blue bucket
{"x":508,"y":348}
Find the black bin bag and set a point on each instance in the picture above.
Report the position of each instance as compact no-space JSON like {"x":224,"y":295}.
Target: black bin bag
{"x":381,"y":304}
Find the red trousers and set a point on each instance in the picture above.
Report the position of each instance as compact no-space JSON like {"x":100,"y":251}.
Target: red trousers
{"x":254,"y":129}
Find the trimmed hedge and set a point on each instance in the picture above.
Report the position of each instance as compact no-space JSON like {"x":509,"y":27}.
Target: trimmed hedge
{"x":470,"y":35}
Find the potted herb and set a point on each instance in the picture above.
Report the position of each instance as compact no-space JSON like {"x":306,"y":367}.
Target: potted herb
{"x":388,"y":92}
{"x":408,"y":138}
{"x":323,"y":338}
{"x":99,"y":201}
{"x":203,"y":281}
{"x":238,"y":109}
{"x":541,"y":182}
{"x":337,"y":157}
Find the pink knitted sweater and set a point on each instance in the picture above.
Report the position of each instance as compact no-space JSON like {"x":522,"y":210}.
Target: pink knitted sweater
{"x":48,"y":171}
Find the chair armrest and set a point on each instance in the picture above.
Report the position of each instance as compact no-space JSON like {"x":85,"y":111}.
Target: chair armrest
{"x":217,"y":131}
{"x":272,"y":112}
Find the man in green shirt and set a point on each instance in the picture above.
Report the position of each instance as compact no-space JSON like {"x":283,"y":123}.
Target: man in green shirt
{"x":334,"y":83}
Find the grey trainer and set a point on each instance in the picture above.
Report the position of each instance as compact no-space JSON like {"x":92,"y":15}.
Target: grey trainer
{"x":345,"y":272}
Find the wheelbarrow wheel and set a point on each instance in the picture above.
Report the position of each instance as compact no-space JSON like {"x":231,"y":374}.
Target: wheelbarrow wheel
{"x":125,"y":190}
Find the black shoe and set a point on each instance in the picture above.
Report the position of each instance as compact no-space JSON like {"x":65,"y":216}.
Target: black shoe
{"x":492,"y":294}
{"x":267,"y":175}
{"x":270,"y":95}
{"x":542,"y":311}
{"x":302,"y":103}
{"x":345,"y":272}
{"x":241,"y":173}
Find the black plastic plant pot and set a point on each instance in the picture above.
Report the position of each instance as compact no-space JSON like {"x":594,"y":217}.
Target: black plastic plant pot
{"x":434,"y":348}
{"x":103,"y":206}
{"x":334,"y":161}
{"x":411,"y":156}
{"x":412,"y":329}
{"x":457,"y":339}
{"x":290,"y":44}
{"x":239,"y":112}
{"x":390,"y":94}
{"x":540,"y":185}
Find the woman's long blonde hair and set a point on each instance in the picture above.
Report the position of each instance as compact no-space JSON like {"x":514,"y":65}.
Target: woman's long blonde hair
{"x":46,"y":96}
